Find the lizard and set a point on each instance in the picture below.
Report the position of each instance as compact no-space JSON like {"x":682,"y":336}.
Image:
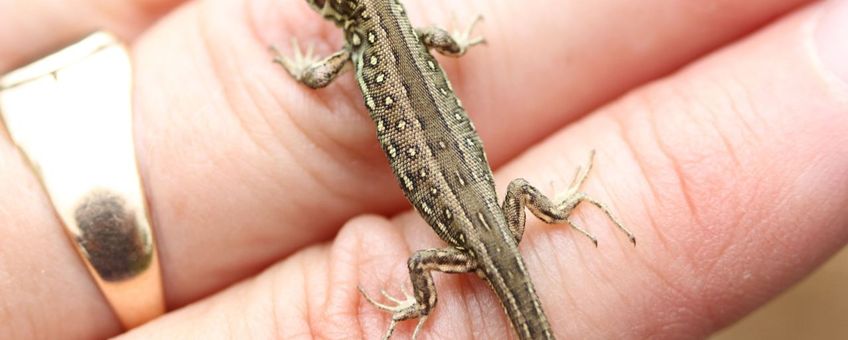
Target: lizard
{"x":438,"y":159}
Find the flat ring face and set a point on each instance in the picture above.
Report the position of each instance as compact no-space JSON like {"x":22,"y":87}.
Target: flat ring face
{"x":70,"y":113}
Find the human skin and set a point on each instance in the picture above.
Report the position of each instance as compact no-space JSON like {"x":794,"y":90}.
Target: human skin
{"x":719,"y":127}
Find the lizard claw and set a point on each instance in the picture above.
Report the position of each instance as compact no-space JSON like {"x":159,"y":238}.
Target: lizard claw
{"x":406,"y":295}
{"x":298,"y":63}
{"x":573,"y":196}
{"x":405,"y":309}
{"x":463,"y":38}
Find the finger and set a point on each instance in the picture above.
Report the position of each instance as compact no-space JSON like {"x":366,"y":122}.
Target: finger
{"x":721,"y":173}
{"x":29,"y":29}
{"x":735,"y":187}
{"x":547,"y":64}
{"x":45,"y":292}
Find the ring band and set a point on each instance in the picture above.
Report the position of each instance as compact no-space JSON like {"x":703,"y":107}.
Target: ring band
{"x":70,"y":113}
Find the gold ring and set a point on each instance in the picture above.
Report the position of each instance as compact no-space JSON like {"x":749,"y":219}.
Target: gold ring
{"x":70,"y":114}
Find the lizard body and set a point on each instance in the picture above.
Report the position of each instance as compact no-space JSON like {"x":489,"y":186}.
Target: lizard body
{"x":437,"y":158}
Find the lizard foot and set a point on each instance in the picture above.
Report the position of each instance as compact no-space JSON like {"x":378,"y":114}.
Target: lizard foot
{"x":573,"y":196}
{"x":298,"y":64}
{"x":403,"y":309}
{"x":463,"y":38}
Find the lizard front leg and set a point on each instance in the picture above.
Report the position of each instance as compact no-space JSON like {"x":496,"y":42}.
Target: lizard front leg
{"x":521,"y":194}
{"x":314,"y":73}
{"x":448,"y":44}
{"x":423,"y":299}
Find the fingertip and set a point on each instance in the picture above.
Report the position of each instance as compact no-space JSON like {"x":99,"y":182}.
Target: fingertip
{"x":831,"y":38}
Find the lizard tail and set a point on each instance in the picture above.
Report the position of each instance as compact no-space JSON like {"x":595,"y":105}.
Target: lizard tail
{"x":510,"y":280}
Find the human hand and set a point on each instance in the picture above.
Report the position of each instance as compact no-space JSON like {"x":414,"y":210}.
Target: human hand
{"x":731,"y":171}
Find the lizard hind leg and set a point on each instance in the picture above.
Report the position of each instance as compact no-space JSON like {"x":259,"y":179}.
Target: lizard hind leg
{"x":521,"y":194}
{"x":423,"y":298}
